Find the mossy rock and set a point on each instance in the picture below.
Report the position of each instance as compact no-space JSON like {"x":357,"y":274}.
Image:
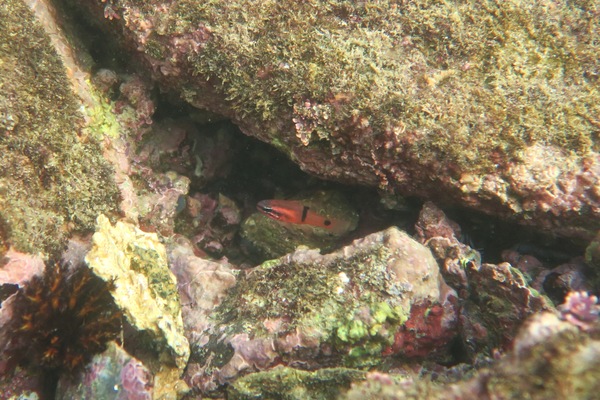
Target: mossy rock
{"x":53,"y":180}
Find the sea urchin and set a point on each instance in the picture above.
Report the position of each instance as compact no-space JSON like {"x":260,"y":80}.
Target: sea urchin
{"x":61,"y":319}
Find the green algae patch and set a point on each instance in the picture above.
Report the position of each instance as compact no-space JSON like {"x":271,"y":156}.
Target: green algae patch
{"x":284,"y":383}
{"x":53,"y":181}
{"x":103,"y":122}
{"x":352,"y":301}
{"x":309,"y":296}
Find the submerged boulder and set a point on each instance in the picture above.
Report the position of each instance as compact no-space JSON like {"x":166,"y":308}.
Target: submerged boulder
{"x":491,"y":105}
{"x":380,"y":298}
{"x":550,"y":359}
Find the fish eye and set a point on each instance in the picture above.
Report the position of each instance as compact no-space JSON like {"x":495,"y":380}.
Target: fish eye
{"x":327,"y":222}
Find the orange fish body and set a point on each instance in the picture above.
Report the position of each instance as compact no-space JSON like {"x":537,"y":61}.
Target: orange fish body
{"x":296,"y":212}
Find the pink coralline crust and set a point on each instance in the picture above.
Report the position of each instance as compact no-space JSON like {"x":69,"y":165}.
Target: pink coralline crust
{"x":138,"y":23}
{"x":186,"y":44}
{"x":568,"y":277}
{"x":210,"y":223}
{"x":434,"y":223}
{"x":202,"y":284}
{"x":250,"y":355}
{"x":137,"y":93}
{"x":427,"y":331}
{"x":581,"y":309}
{"x":551,"y":182}
{"x":442,"y":236}
{"x":259,"y":353}
{"x":77,"y":248}
{"x":165,"y":147}
{"x":105,"y":79}
{"x":159,"y":205}
{"x":150,"y":195}
{"x":523,"y":262}
{"x":21,"y":384}
{"x":178,"y":46}
{"x":499,"y":299}
{"x":114,"y":373}
{"x":155,"y":197}
{"x":19,"y":268}
{"x":549,"y":186}
{"x":136,"y":381}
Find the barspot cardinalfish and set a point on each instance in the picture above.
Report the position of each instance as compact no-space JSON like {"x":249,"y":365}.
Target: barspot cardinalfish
{"x":297,"y":212}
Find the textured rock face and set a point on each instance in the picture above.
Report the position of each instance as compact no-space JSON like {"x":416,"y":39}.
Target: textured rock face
{"x":146,"y":292}
{"x":493,"y":105}
{"x":551,"y":359}
{"x":53,"y":179}
{"x":494,"y":299}
{"x":380,"y":298}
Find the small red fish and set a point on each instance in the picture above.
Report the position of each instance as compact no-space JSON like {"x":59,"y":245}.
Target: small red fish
{"x":296,"y":212}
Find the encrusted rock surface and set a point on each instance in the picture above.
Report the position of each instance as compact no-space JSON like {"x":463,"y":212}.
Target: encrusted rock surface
{"x":146,"y":292}
{"x":500,"y":299}
{"x":492,"y":105}
{"x":380,"y":298}
{"x":551,"y":359}
{"x":293,"y":384}
{"x":202,"y":285}
{"x":53,"y":178}
{"x":494,"y":299}
{"x":113,"y":374}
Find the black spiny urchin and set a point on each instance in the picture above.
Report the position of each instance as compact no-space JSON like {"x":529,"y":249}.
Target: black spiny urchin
{"x":61,"y":319}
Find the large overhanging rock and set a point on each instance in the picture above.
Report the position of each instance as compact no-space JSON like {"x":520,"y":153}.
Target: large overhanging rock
{"x":494,"y":104}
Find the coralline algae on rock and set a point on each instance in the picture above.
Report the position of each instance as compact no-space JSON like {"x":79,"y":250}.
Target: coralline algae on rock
{"x":494,"y":299}
{"x":381,"y":296}
{"x":113,"y":374}
{"x":145,"y":291}
{"x":202,"y":284}
{"x":492,"y":105}
{"x":550,"y":359}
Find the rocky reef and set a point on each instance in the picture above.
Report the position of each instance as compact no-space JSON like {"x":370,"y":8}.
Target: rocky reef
{"x":383,"y":296}
{"x":551,"y":359}
{"x":492,"y":106}
{"x":145,"y":291}
{"x":152,"y":248}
